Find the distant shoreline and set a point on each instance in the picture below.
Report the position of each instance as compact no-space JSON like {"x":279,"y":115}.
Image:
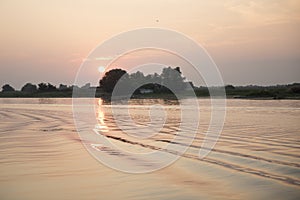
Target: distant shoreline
{"x":154,"y":96}
{"x":290,"y":91}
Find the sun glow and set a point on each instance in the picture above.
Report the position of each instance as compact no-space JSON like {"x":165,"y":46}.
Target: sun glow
{"x":101,"y":69}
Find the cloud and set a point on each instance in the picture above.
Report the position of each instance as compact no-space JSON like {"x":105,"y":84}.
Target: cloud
{"x":82,"y":59}
{"x":254,"y":22}
{"x":265,"y":11}
{"x":105,"y":58}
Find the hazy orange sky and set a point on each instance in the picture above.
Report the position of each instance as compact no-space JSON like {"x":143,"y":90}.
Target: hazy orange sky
{"x":252,"y":42}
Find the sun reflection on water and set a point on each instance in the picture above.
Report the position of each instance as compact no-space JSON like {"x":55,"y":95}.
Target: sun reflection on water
{"x":101,"y":126}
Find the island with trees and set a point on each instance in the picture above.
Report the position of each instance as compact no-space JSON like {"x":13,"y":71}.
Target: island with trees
{"x":153,"y":89}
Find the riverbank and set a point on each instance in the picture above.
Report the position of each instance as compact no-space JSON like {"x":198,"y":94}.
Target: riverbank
{"x":291,"y":91}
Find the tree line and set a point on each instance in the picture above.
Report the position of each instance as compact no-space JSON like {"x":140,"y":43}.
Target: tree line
{"x":155,"y":84}
{"x":170,"y":79}
{"x":41,"y":87}
{"x":168,"y":76}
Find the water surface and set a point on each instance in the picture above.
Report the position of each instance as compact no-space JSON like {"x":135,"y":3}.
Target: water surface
{"x":256,"y":157}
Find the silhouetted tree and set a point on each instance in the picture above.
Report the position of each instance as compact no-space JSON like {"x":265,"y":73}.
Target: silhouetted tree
{"x":29,"y":87}
{"x":177,"y":69}
{"x":7,"y":88}
{"x":229,"y":87}
{"x":295,"y":88}
{"x":51,"y":87}
{"x":62,"y":87}
{"x":110,"y":79}
{"x":86,"y":86}
{"x":156,"y":78}
{"x":172,"y":79}
{"x":136,"y":78}
{"x":43,"y":87}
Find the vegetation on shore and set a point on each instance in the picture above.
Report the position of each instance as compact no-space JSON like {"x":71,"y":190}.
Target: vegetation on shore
{"x":155,"y":88}
{"x":289,"y":91}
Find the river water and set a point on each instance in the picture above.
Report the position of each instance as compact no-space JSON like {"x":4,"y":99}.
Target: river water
{"x":256,"y":157}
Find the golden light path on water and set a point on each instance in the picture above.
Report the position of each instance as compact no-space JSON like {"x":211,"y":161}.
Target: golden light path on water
{"x":100,"y":117}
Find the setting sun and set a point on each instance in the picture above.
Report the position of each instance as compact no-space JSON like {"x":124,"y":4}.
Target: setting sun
{"x":101,"y":69}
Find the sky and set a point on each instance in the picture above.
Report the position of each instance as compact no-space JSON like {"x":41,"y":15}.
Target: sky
{"x":251,"y":42}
